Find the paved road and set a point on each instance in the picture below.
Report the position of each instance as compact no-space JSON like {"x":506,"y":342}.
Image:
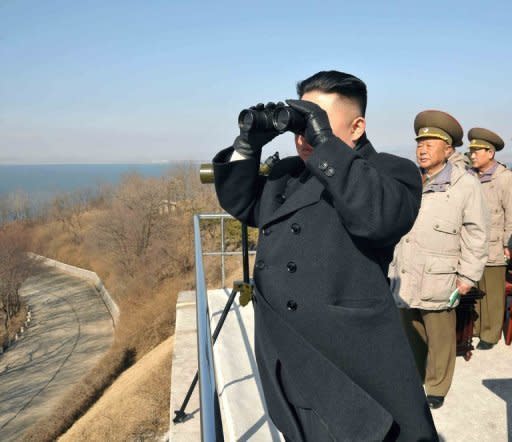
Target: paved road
{"x":70,"y":330}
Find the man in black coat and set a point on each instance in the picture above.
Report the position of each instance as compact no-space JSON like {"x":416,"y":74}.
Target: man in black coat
{"x":334,"y":362}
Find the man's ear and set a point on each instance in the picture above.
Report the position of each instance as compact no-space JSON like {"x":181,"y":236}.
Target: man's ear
{"x":357,"y":128}
{"x":448,"y":150}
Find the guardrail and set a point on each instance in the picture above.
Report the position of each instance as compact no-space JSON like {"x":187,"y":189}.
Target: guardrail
{"x":211,"y":422}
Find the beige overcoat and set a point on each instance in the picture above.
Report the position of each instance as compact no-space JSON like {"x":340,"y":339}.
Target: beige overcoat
{"x":448,"y":241}
{"x":497,"y":190}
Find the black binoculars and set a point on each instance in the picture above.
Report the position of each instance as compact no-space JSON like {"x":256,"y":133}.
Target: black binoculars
{"x":280,"y":118}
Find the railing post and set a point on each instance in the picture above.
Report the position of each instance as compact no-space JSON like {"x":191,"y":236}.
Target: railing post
{"x":211,"y":423}
{"x":222,"y":249}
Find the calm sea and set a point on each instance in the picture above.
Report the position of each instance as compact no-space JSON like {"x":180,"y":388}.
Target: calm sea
{"x":42,"y":182}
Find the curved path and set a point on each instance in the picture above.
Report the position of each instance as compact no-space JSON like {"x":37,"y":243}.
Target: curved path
{"x":70,"y":330}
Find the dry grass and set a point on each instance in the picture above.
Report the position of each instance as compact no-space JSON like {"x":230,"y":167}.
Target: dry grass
{"x":135,"y":407}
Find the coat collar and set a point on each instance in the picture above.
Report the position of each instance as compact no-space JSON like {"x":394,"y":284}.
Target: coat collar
{"x":440,"y":181}
{"x":365,"y":148}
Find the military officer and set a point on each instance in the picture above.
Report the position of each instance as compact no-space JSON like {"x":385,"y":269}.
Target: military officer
{"x":496,"y":181}
{"x":445,"y":250}
{"x":332,"y":355}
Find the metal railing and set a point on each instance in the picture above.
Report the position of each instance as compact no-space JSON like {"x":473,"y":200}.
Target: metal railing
{"x":211,"y":422}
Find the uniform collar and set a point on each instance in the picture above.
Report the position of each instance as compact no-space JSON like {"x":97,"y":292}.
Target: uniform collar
{"x":440,"y":181}
{"x":486,"y":176}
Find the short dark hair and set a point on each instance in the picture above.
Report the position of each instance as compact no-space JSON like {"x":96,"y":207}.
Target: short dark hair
{"x":337,"y":82}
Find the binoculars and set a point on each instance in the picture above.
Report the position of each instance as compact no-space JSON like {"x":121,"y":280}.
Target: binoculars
{"x":281,"y":119}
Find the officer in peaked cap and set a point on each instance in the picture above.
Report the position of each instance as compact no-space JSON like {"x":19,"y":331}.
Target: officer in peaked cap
{"x":449,"y":244}
{"x":438,"y":124}
{"x":496,"y":181}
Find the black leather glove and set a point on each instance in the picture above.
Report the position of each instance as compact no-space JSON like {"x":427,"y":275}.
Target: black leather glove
{"x":250,"y":142}
{"x":318,"y":129}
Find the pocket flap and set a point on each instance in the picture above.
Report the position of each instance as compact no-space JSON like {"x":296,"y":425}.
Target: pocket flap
{"x":445,"y":226}
{"x":494,"y":236}
{"x":441,"y":264}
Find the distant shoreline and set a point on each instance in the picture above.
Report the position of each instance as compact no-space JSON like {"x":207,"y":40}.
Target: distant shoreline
{"x":42,"y":182}
{"x":156,"y":163}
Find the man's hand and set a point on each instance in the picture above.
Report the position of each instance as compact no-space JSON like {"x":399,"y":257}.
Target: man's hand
{"x":249,"y":142}
{"x":506,"y":251}
{"x":463,"y":287}
{"x":318,"y":129}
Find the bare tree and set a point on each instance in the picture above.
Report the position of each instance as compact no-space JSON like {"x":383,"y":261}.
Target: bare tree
{"x":128,"y":229}
{"x":15,"y":206}
{"x":15,"y":267}
{"x":69,"y":209}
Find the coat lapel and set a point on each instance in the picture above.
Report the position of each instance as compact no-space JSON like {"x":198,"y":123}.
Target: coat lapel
{"x":305,"y":195}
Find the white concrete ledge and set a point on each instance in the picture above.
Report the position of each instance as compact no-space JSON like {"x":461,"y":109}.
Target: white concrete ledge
{"x":88,"y":276}
{"x":244,"y":414}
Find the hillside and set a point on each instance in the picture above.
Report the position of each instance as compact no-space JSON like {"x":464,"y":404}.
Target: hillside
{"x":133,"y":407}
{"x":142,"y":249}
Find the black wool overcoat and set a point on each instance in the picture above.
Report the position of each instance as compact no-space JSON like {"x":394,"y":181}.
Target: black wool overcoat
{"x":333,"y":358}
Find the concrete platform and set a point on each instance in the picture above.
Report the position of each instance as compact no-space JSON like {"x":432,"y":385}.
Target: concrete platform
{"x":241,"y":398}
{"x":477,"y":408}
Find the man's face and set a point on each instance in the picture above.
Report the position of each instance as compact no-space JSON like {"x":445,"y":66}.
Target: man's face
{"x":431,"y":153}
{"x":481,"y":158}
{"x":344,"y":117}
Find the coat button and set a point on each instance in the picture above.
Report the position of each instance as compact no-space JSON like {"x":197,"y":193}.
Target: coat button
{"x":291,"y":305}
{"x":403,"y":271}
{"x":406,"y":239}
{"x":437,"y":226}
{"x":267,"y":231}
{"x":323,"y":165}
{"x":329,"y":171}
{"x":280,"y":198}
{"x":260,"y":264}
{"x":454,"y":231}
{"x":291,"y":267}
{"x":295,"y":228}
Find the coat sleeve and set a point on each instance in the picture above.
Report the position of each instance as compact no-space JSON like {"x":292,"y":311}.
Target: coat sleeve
{"x":239,"y":186}
{"x":507,"y":208}
{"x":474,"y":233}
{"x":377,"y":199}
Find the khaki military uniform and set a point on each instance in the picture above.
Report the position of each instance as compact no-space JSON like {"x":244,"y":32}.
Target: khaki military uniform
{"x":447,"y":242}
{"x":497,"y":188}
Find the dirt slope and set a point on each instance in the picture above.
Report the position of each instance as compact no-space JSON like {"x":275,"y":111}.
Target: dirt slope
{"x":130,"y":406}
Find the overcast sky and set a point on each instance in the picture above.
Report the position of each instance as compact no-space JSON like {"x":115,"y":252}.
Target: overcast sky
{"x":138,"y":81}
